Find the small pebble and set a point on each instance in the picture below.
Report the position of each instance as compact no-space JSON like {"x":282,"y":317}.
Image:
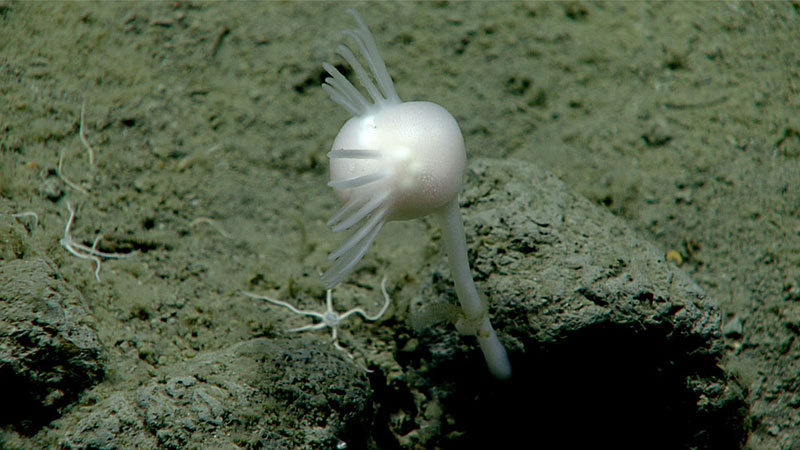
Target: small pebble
{"x":733,"y":328}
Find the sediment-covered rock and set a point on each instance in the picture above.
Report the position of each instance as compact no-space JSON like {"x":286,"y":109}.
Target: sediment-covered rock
{"x":49,"y":349}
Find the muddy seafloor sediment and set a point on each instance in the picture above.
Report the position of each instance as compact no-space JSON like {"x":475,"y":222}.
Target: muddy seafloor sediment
{"x":209,"y":133}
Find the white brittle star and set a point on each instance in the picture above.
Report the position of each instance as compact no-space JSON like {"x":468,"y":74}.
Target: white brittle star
{"x":82,"y":251}
{"x":330,"y":318}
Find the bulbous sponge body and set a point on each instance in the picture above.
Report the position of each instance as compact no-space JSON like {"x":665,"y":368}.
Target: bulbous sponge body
{"x":422,"y":157}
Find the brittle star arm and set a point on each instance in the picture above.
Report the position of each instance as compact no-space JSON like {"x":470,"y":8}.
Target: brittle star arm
{"x":83,"y":251}
{"x":288,"y":306}
{"x":360,"y":311}
{"x":28,"y":214}
{"x":89,"y":149}
{"x":69,"y":244}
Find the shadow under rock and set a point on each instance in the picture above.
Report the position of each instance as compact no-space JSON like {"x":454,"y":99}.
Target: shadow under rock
{"x":606,"y":386}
